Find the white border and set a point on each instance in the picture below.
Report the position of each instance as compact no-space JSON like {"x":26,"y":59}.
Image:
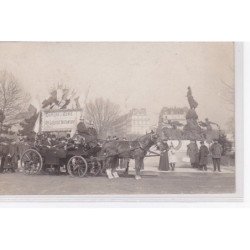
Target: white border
{"x":178,"y":228}
{"x":239,"y":118}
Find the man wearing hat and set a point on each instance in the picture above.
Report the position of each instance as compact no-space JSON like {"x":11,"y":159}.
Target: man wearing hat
{"x":81,"y":127}
{"x":92,"y":130}
{"x":203,"y":155}
{"x":216,"y":151}
{"x":92,"y":135}
{"x":193,"y":153}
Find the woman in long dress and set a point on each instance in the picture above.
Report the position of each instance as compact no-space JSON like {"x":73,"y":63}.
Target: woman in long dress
{"x":164,"y":162}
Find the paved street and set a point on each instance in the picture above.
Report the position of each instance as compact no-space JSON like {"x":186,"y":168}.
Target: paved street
{"x":184,"y":180}
{"x":153,"y":182}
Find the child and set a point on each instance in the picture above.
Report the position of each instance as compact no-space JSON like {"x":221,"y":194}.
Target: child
{"x":172,"y":157}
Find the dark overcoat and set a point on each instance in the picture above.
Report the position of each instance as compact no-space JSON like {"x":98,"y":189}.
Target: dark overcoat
{"x":203,"y":155}
{"x":193,"y":152}
{"x":164,"y":161}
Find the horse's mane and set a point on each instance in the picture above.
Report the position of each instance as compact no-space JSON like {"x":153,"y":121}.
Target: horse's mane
{"x":138,"y":139}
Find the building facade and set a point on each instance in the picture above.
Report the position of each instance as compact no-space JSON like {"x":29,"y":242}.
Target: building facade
{"x":136,"y":122}
{"x":172,"y":114}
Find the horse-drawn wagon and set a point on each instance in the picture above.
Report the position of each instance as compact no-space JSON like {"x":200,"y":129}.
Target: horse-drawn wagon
{"x":78,"y":157}
{"x":78,"y":160}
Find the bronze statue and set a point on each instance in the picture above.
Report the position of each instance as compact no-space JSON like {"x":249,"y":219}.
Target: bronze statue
{"x":192,"y":103}
{"x":207,"y":124}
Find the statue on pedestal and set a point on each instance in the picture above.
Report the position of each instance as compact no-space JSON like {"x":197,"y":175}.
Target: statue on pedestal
{"x":192,"y":128}
{"x":210,"y":133}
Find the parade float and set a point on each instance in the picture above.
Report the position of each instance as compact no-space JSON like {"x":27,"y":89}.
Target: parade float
{"x":59,"y":113}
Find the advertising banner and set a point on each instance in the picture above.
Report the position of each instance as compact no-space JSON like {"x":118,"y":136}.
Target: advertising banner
{"x":59,"y":120}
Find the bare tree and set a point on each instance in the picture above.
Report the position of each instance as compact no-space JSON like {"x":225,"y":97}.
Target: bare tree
{"x":229,"y":97}
{"x":103,"y":113}
{"x":13,"y":99}
{"x":231,"y":125}
{"x":229,"y":89}
{"x":229,"y":94}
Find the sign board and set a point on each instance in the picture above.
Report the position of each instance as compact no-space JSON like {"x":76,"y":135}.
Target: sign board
{"x":59,"y":120}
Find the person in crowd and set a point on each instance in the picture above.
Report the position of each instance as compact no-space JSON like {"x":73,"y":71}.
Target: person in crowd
{"x":115,"y":138}
{"x":91,"y":129}
{"x":203,"y":156}
{"x":81,"y":128}
{"x":14,"y":156}
{"x":69,"y":143}
{"x":50,"y":141}
{"x":164,"y":161}
{"x":4,"y":150}
{"x":116,"y":160}
{"x":216,"y":152}
{"x":54,"y":140}
{"x":172,"y":157}
{"x":62,"y":142}
{"x":92,"y":135}
{"x":124,"y":162}
{"x":193,"y":154}
{"x":1,"y":164}
{"x":68,"y":137}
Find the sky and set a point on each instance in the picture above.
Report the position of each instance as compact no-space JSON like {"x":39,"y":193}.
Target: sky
{"x":133,"y":75}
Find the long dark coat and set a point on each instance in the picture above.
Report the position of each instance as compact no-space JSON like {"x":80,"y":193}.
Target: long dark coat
{"x":164,"y":161}
{"x":203,"y":155}
{"x":193,"y":152}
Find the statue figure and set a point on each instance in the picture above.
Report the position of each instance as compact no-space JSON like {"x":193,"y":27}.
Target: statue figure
{"x":192,"y":103}
{"x":207,"y":124}
{"x":192,"y":130}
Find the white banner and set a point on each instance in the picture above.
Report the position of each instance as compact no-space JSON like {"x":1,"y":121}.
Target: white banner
{"x":59,"y":120}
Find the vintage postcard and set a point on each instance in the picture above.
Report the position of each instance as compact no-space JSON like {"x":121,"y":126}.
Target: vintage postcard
{"x":94,"y":120}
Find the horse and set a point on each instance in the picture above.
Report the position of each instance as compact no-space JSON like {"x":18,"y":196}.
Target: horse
{"x":137,"y":150}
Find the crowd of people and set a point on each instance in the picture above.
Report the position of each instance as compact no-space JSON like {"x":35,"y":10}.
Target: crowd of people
{"x":197,"y":156}
{"x":85,"y":135}
{"x":11,"y":151}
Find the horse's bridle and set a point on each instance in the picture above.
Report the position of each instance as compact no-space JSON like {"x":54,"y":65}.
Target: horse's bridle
{"x":151,"y":140}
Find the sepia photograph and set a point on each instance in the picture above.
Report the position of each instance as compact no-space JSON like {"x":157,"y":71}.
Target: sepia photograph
{"x":124,"y":124}
{"x":122,"y":119}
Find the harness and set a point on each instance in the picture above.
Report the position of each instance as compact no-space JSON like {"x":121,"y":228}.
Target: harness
{"x":132,"y":149}
{"x":141,"y":146}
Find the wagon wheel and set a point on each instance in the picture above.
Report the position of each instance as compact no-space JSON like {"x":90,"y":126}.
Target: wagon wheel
{"x":31,"y":162}
{"x":95,"y":167}
{"x":77,"y":166}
